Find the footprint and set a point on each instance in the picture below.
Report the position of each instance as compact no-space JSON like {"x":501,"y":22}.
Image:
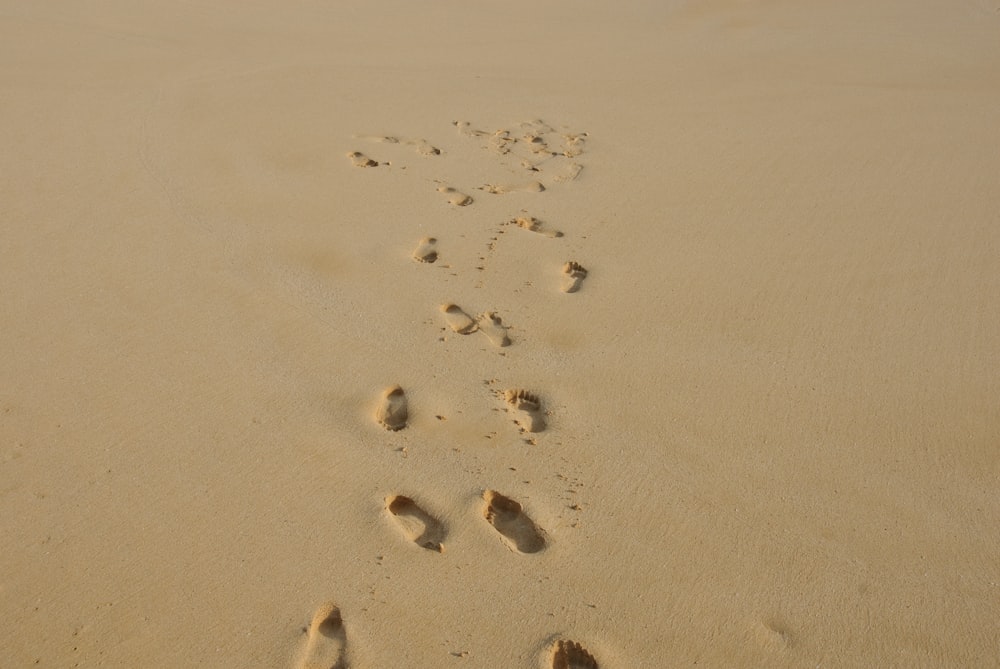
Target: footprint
{"x":458,"y":320}
{"x":574,"y":144}
{"x":527,"y":410}
{"x":509,"y":519}
{"x":571,"y":655}
{"x":455,"y":197}
{"x":419,"y":526}
{"x":426,"y":250}
{"x":361,"y":160}
{"x":530,"y":187}
{"x":424,"y":147}
{"x":573,"y":276}
{"x":532,"y":224}
{"x":392,"y":412}
{"x":494,"y":328}
{"x":326,"y":642}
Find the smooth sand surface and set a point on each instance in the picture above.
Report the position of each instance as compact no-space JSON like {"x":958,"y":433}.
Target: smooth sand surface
{"x":762,"y":431}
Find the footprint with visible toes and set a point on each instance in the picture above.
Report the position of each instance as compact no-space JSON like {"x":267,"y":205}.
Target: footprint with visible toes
{"x":493,"y":327}
{"x":527,"y":410}
{"x":426,"y":250}
{"x":326,"y":641}
{"x":508,"y":518}
{"x":532,"y":224}
{"x":419,"y":526}
{"x":458,"y":320}
{"x":571,"y":655}
{"x":392,"y":411}
{"x":573,"y":275}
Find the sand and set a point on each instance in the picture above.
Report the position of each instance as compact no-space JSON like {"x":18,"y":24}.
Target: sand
{"x":720,"y":390}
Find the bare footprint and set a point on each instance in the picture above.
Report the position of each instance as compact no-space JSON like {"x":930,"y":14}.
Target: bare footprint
{"x":458,"y":320}
{"x":493,"y":327}
{"x":527,"y":410}
{"x":424,"y":147}
{"x":500,"y":189}
{"x":532,"y":224}
{"x":419,"y":526}
{"x":326,"y":642}
{"x":455,"y":197}
{"x":426,"y":250}
{"x":361,"y":160}
{"x":571,"y":655}
{"x":509,"y":519}
{"x":392,"y":412}
{"x":573,"y":275}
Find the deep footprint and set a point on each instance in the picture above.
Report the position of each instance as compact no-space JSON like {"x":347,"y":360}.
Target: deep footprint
{"x":527,"y":410}
{"x":419,"y":526}
{"x":392,"y":410}
{"x":458,"y":320}
{"x":426,"y":250}
{"x":327,"y":641}
{"x":573,"y":275}
{"x":571,"y":655}
{"x":509,"y":519}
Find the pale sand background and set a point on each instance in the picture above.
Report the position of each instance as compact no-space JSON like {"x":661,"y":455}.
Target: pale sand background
{"x":774,"y":399}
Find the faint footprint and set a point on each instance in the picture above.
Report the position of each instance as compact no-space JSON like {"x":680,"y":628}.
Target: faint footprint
{"x":498,"y":189}
{"x":419,"y":526}
{"x":493,"y":327}
{"x":573,"y":276}
{"x":423,"y":147}
{"x":426,"y":250}
{"x":509,"y":519}
{"x":392,"y":412}
{"x":455,"y":197}
{"x":527,"y":410}
{"x":361,"y":160}
{"x":571,"y":655}
{"x":458,"y":320}
{"x":326,"y":642}
{"x":532,"y":224}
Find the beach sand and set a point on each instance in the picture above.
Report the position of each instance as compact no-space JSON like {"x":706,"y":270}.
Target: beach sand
{"x":699,"y":369}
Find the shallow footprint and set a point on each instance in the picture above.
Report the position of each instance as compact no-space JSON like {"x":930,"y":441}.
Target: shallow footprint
{"x":419,"y":526}
{"x":493,"y":327}
{"x":532,"y":224}
{"x":426,"y":250}
{"x":392,"y":411}
{"x":503,"y":189}
{"x":458,"y":320}
{"x":326,"y":640}
{"x":509,"y":519}
{"x":573,"y":275}
{"x":571,"y":655}
{"x":361,"y":160}
{"x":455,"y":197}
{"x":527,"y":410}
{"x":424,"y":147}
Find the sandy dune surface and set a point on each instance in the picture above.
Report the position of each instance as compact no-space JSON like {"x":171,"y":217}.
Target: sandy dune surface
{"x":541,"y":334}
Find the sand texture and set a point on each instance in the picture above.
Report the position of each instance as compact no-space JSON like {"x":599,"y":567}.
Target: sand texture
{"x":540,"y":335}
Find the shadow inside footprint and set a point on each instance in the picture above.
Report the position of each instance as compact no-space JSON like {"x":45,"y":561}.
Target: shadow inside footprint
{"x":509,"y":519}
{"x":419,"y":526}
{"x":392,"y":410}
{"x":571,"y":655}
{"x":326,"y":642}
